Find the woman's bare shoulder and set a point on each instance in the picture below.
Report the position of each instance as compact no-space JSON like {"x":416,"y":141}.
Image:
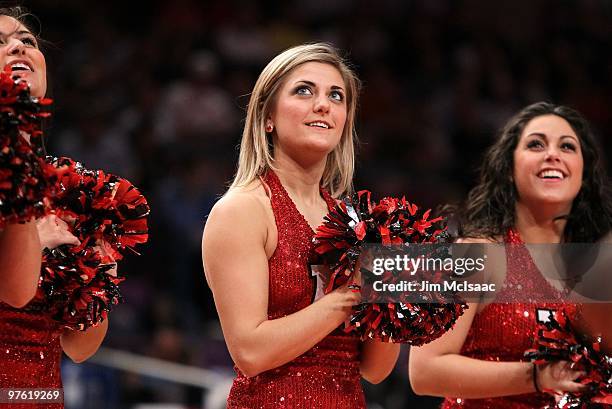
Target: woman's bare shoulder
{"x":242,"y":200}
{"x":479,"y":240}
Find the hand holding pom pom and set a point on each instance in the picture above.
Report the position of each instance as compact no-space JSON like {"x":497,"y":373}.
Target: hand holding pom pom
{"x":107,"y":215}
{"x":54,"y":232}
{"x":559,"y":342}
{"x":358,"y":221}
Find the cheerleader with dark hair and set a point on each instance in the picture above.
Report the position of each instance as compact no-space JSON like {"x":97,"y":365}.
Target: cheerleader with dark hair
{"x":541,"y":182}
{"x":63,"y":229}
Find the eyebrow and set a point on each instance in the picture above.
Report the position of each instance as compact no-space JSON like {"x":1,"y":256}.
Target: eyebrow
{"x":19,"y":32}
{"x":543,"y":136}
{"x":312,"y":84}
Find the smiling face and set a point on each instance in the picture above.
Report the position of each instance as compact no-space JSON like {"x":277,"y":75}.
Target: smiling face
{"x":310,"y":110}
{"x":19,"y":51}
{"x":548,"y":163}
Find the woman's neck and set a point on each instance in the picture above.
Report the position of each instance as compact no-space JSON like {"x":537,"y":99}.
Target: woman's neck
{"x":302,"y":182}
{"x":540,"y":225}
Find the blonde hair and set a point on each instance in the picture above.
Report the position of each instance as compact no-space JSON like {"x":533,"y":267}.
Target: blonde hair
{"x":255,"y":148}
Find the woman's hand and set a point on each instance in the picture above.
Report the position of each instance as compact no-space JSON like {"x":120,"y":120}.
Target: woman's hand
{"x":53,"y":232}
{"x":343,"y":298}
{"x":559,"y":377}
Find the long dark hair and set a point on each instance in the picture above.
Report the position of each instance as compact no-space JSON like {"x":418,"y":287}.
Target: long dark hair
{"x":489,"y":210}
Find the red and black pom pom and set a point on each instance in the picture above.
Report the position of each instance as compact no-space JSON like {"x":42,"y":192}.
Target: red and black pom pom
{"x":77,"y":286}
{"x":25,"y":179}
{"x":357,"y":221}
{"x":101,"y":206}
{"x":109,"y":216}
{"x":558,"y":340}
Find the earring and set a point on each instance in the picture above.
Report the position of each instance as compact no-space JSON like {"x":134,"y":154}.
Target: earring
{"x":269,"y":127}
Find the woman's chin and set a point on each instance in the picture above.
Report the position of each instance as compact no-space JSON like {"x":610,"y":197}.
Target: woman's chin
{"x":316,"y":148}
{"x":311,"y":151}
{"x":551,"y":200}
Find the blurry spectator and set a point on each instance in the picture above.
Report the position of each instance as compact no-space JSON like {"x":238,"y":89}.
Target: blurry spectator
{"x":195,"y":108}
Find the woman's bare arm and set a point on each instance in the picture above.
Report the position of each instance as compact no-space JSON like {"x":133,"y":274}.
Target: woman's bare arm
{"x":236,"y":267}
{"x":20,"y":255}
{"x":378,"y":360}
{"x":439,"y":369}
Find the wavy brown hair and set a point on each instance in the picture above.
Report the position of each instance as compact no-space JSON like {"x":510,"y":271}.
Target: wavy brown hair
{"x":489,"y":210}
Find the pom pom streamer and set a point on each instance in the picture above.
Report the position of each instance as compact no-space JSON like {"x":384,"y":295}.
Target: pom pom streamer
{"x":101,"y":207}
{"x":558,"y":340}
{"x":357,"y":221}
{"x":109,"y":216}
{"x":25,"y":179}
{"x":77,"y":287}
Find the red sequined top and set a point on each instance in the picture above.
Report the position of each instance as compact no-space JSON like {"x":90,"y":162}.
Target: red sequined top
{"x":326,"y":376}
{"x":504,"y":331}
{"x":30,"y":351}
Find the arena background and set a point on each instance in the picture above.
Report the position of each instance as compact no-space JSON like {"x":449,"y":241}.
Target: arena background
{"x":156,"y":92}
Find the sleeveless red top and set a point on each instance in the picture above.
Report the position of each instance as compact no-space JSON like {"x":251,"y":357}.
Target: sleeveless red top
{"x":326,"y":376}
{"x":504,"y":331}
{"x":30,"y":351}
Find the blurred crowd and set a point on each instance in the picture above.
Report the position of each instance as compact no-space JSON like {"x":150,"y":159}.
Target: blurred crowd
{"x":156,"y":92}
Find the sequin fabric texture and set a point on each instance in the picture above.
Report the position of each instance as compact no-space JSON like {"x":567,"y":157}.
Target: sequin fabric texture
{"x":30,"y":351}
{"x":326,"y":376}
{"x":504,"y":331}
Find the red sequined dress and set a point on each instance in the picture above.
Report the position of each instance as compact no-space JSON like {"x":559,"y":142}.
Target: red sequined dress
{"x":504,"y":331}
{"x":326,"y":376}
{"x":30,"y":351}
